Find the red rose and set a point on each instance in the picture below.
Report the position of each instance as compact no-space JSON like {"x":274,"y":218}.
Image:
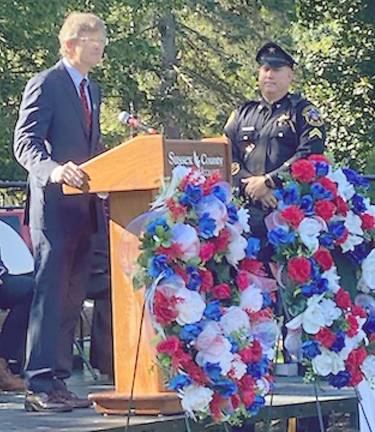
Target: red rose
{"x":182,"y":359}
{"x":207,"y":280}
{"x":242,"y":280}
{"x":165,"y":308}
{"x":252,"y":266}
{"x":353,"y":325}
{"x":293,"y":215}
{"x":235,"y":400}
{"x":323,"y":258}
{"x":222,"y":241}
{"x":358,"y":311}
{"x":303,"y":171}
{"x":207,"y":251}
{"x":319,"y":158}
{"x":248,"y":397}
{"x":247,"y":382}
{"x":325,"y":337}
{"x":329,"y":185}
{"x":356,"y":377}
{"x":169,"y":346}
{"x":368,"y":222}
{"x":299,"y":269}
{"x":222,"y":291}
{"x":251,"y":354}
{"x":341,"y":205}
{"x":356,"y":358}
{"x":325,"y":209}
{"x":196,"y":374}
{"x":343,"y":299}
{"x":172,"y":252}
{"x":216,"y":404}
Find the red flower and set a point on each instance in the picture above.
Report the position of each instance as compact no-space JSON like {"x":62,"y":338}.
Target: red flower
{"x":252,"y":266}
{"x":356,"y":358}
{"x":329,"y":185}
{"x":368,"y":222}
{"x":216,"y":404}
{"x":196,"y":373}
{"x":325,"y":209}
{"x":323,"y":258}
{"x":343,"y":238}
{"x":303,"y":171}
{"x":242,"y":280}
{"x":319,"y":158}
{"x":207,"y":251}
{"x":246,"y":382}
{"x":172,"y":252}
{"x":251,"y":354}
{"x":299,"y":269}
{"x":343,"y":299}
{"x":353,"y":325}
{"x":207,"y":280}
{"x":293,"y":215}
{"x":222,"y":241}
{"x":164,"y":308}
{"x":222,"y":291}
{"x":341,"y":205}
{"x":211,"y":181}
{"x":235,"y":400}
{"x":169,"y":346}
{"x":177,"y":210}
{"x":325,"y":337}
{"x":182,"y":359}
{"x":358,"y":311}
{"x":356,"y":377}
{"x":248,"y":397}
{"x":181,"y":272}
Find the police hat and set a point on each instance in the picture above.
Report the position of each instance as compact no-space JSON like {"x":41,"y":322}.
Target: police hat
{"x":272,"y":55}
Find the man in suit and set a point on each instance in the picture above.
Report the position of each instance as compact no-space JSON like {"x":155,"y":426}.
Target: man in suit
{"x":16,"y":292}
{"x":58,"y":129}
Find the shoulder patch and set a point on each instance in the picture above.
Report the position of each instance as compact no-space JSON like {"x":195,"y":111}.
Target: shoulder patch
{"x":312,"y":116}
{"x":316,"y":132}
{"x":235,"y":168}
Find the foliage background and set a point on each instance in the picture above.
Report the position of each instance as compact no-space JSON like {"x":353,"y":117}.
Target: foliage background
{"x":184,"y":65}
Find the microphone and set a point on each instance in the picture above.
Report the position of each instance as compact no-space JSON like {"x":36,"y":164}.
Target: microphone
{"x":128,"y":119}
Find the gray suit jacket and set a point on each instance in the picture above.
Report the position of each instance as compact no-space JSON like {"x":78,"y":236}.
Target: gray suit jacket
{"x":50,"y":131}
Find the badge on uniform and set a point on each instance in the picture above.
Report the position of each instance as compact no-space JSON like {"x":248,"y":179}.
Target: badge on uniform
{"x":315,"y":133}
{"x":284,"y":118}
{"x":235,"y":168}
{"x":312,"y":116}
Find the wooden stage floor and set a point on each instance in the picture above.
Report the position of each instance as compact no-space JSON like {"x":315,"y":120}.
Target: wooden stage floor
{"x":292,"y":398}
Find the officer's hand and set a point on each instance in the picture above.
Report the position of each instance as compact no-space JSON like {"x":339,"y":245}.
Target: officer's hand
{"x":255,"y":187}
{"x":269,"y":200}
{"x":70,"y":174}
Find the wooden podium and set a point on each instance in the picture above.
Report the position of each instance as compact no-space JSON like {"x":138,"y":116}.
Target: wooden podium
{"x":132,"y":174}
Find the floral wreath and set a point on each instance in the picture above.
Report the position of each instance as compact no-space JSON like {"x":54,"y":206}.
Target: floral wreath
{"x":208,"y":298}
{"x":324,"y":210}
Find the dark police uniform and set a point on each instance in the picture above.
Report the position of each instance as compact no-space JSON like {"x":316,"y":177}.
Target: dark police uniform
{"x":268,"y":137}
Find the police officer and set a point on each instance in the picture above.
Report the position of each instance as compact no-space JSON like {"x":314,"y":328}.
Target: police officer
{"x":269,"y":134}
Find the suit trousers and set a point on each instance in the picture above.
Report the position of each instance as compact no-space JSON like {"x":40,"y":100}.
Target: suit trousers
{"x":16,"y":294}
{"x":62,"y":266}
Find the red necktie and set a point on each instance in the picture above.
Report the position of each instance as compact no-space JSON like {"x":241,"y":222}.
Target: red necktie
{"x":85,"y":104}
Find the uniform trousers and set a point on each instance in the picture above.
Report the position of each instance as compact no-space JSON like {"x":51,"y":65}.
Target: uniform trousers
{"x":62,"y":266}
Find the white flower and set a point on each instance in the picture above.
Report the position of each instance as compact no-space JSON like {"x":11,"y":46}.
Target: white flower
{"x":266,"y":332}
{"x":312,"y":319}
{"x":215,"y":209}
{"x":353,"y":223}
{"x":293,"y":341}
{"x":330,"y":311}
{"x":187,"y":238}
{"x":327,"y":362}
{"x":351,"y":242}
{"x":238,"y":367}
{"x":235,"y":319}
{"x":196,"y":398}
{"x":236,"y":247}
{"x":352,"y":343}
{"x":309,"y":230}
{"x":368,"y":270}
{"x":333,"y":279}
{"x":368,"y":368}
{"x":243,"y":219}
{"x":344,"y":188}
{"x":190,"y":307}
{"x":251,"y":299}
{"x":263,"y":386}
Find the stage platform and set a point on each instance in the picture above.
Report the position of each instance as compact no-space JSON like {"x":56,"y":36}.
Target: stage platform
{"x":292,"y":398}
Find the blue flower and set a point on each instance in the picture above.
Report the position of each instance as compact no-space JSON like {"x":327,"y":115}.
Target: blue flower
{"x":358,"y":204}
{"x":307,"y":204}
{"x":255,"y":407}
{"x":326,"y":240}
{"x":195,"y":280}
{"x":190,"y":332}
{"x":207,"y":226}
{"x":179,"y":382}
{"x":151,"y":229}
{"x":257,"y":370}
{"x":267,"y":300}
{"x":359,"y":253}
{"x":226,"y":388}
{"x":192,"y":195}
{"x":339,"y":343}
{"x":213,"y":370}
{"x":213,"y":310}
{"x":235,"y":346}
{"x":315,"y":269}
{"x":157,"y":265}
{"x":369,"y":326}
{"x":220,"y":193}
{"x":290,"y":194}
{"x":253,"y":247}
{"x":321,"y":286}
{"x":320,"y":192}
{"x":310,"y":349}
{"x":232,"y":213}
{"x":340,"y":380}
{"x":308,"y":290}
{"x":280,"y":236}
{"x":336,"y":229}
{"x":356,"y":179}
{"x":321,"y":168}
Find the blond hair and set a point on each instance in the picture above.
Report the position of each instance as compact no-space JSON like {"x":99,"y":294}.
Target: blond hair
{"x":77,"y":23}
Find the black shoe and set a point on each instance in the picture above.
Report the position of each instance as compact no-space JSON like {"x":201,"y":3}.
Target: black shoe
{"x":44,"y":402}
{"x":72,"y":399}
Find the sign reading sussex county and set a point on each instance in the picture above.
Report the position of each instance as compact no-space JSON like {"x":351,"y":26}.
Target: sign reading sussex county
{"x":207,"y":156}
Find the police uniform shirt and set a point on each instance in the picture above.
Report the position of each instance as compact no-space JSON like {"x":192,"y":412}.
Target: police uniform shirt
{"x":267,"y":138}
